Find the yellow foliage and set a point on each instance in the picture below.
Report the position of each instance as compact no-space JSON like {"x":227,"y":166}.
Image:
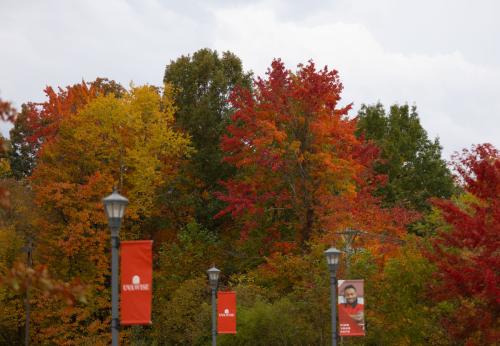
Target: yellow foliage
{"x":128,"y":142}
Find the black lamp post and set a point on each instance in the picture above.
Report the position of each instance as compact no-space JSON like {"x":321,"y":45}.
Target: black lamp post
{"x":213,"y":278}
{"x":332,"y":258}
{"x":114,"y":205}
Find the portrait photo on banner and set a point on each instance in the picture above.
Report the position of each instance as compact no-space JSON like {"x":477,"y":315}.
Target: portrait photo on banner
{"x":351,"y":306}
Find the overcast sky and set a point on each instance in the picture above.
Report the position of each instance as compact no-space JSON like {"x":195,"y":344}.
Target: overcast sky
{"x":443,"y":56}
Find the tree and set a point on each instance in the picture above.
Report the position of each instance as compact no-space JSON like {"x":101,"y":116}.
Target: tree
{"x":399,"y":309}
{"x":22,"y":153}
{"x":278,"y":323}
{"x":410,"y":160}
{"x":14,"y":219}
{"x":128,"y":142}
{"x":185,"y":317}
{"x":282,"y":301}
{"x":186,"y":258}
{"x":7,"y":113}
{"x":466,"y":252}
{"x":38,"y":123}
{"x":203,"y":83}
{"x":17,"y":279}
{"x":300,"y":168}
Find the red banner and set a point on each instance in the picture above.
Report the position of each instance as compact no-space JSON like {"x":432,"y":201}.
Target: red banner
{"x":136,"y":281}
{"x":351,"y":308}
{"x":226,"y":312}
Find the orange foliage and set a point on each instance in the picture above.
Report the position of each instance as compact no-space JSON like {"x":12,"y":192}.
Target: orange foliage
{"x":20,"y":278}
{"x":302,"y":171}
{"x":45,"y":118}
{"x":111,"y":140}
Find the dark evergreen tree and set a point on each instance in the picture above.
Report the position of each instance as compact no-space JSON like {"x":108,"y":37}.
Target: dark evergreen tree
{"x":203,"y":83}
{"x":22,"y":154}
{"x":411,"y":161}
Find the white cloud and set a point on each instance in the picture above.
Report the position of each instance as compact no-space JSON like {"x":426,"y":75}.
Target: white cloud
{"x":429,"y":52}
{"x":455,"y":98}
{"x":61,"y":42}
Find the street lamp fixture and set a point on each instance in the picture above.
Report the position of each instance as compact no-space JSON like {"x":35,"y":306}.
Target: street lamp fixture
{"x":114,"y":205}
{"x":213,"y":279}
{"x":332,"y":258}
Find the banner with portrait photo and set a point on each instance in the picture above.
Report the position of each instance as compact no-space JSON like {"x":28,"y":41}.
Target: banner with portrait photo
{"x":351,"y":306}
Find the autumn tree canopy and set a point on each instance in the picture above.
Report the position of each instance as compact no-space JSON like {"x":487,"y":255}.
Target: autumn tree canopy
{"x":297,"y":157}
{"x":202,"y":84}
{"x":126,"y":142}
{"x":38,"y":123}
{"x":257,"y":177}
{"x":467,"y":252}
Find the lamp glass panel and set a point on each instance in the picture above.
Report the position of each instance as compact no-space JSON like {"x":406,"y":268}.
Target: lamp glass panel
{"x":213,"y":276}
{"x":118,"y":210}
{"x":109,"y":209}
{"x":333,"y":258}
{"x":115,"y":205}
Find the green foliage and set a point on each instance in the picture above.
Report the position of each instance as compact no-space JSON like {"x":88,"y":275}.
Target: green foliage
{"x":11,"y":318}
{"x":184,"y":319}
{"x":5,"y":166}
{"x":278,"y":323}
{"x":181,"y":314}
{"x":302,"y":175}
{"x":11,"y":303}
{"x":16,"y":227}
{"x":285,"y":301}
{"x":410,"y":160}
{"x":399,"y":309}
{"x":16,"y":222}
{"x":203,"y":83}
{"x":23,"y":152}
{"x":189,"y":257}
{"x":431,"y":222}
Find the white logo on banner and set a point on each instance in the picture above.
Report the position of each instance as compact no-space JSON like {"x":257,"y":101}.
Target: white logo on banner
{"x":136,"y":285}
{"x":226,"y":313}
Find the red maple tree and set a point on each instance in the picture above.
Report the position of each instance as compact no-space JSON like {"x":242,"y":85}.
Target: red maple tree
{"x":299,"y":162}
{"x":467,"y":255}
